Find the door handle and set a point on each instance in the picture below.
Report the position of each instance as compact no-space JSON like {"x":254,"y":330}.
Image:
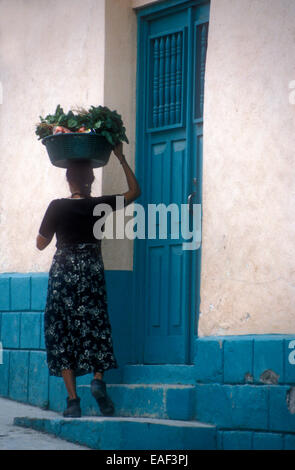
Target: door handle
{"x":195,"y":231}
{"x":189,"y":199}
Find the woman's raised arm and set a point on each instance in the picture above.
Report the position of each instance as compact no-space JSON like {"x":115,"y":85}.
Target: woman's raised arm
{"x":134,"y":189}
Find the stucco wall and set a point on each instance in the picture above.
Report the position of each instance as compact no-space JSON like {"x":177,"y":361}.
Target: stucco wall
{"x":120,"y":94}
{"x":248,"y":252}
{"x":143,"y":3}
{"x":51,"y":52}
{"x":72,"y":53}
{"x":57,"y":52}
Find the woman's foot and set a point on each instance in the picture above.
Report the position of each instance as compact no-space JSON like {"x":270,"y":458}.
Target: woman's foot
{"x":98,"y":390}
{"x":73,"y":409}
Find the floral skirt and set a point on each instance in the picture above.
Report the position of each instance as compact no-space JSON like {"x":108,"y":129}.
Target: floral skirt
{"x":77,"y":329}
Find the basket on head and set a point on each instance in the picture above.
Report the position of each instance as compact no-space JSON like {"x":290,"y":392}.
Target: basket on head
{"x":64,"y":148}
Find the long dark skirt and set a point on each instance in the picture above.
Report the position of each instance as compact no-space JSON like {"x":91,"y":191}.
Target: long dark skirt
{"x":77,"y":329}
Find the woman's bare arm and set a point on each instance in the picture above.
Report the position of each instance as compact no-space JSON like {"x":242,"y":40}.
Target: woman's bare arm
{"x":134,"y":189}
{"x":42,"y":242}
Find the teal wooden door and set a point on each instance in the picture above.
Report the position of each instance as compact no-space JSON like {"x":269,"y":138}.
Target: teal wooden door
{"x":172,"y":43}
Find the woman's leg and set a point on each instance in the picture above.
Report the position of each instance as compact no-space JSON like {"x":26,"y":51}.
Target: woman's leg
{"x":70,"y":382}
{"x":98,"y":375}
{"x":99,"y":391}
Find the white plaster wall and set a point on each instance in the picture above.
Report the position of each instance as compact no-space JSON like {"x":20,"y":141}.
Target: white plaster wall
{"x":143,"y":3}
{"x":248,"y":273}
{"x":120,"y":94}
{"x":73,"y":53}
{"x":51,"y":52}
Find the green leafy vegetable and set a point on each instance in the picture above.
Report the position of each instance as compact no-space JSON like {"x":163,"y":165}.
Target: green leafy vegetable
{"x":104,"y":122}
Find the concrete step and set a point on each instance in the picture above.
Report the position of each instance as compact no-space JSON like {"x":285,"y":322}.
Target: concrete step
{"x":166,"y":401}
{"x":159,"y":373}
{"x":108,"y":433}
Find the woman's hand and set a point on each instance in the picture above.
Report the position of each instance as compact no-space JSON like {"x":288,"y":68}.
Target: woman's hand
{"x":118,"y":151}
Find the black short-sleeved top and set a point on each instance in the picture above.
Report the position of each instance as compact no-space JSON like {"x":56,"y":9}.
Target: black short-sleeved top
{"x":72,"y":220}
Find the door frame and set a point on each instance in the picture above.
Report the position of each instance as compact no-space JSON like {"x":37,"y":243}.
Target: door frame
{"x":145,"y":14}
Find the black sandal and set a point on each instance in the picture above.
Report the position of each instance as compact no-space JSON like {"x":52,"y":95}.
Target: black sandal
{"x":73,"y":409}
{"x":98,"y":390}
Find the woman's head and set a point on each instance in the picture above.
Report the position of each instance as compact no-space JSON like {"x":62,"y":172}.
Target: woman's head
{"x":80,"y":177}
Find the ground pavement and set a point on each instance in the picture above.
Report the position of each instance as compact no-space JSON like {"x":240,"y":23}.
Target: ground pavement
{"x":19,"y":438}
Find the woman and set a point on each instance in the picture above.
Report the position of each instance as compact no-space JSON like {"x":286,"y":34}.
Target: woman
{"x":77,"y":330}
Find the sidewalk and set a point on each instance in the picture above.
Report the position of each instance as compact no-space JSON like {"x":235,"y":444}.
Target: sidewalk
{"x":18,"y":438}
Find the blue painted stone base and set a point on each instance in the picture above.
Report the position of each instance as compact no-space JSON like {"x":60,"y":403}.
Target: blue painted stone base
{"x":246,"y":383}
{"x":243,"y":386}
{"x":122,"y":434}
{"x":152,"y":434}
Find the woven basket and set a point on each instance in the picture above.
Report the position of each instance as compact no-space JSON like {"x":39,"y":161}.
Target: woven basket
{"x":63,"y":148}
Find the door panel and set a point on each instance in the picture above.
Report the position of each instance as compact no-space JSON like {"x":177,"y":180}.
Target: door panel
{"x":171,"y":79}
